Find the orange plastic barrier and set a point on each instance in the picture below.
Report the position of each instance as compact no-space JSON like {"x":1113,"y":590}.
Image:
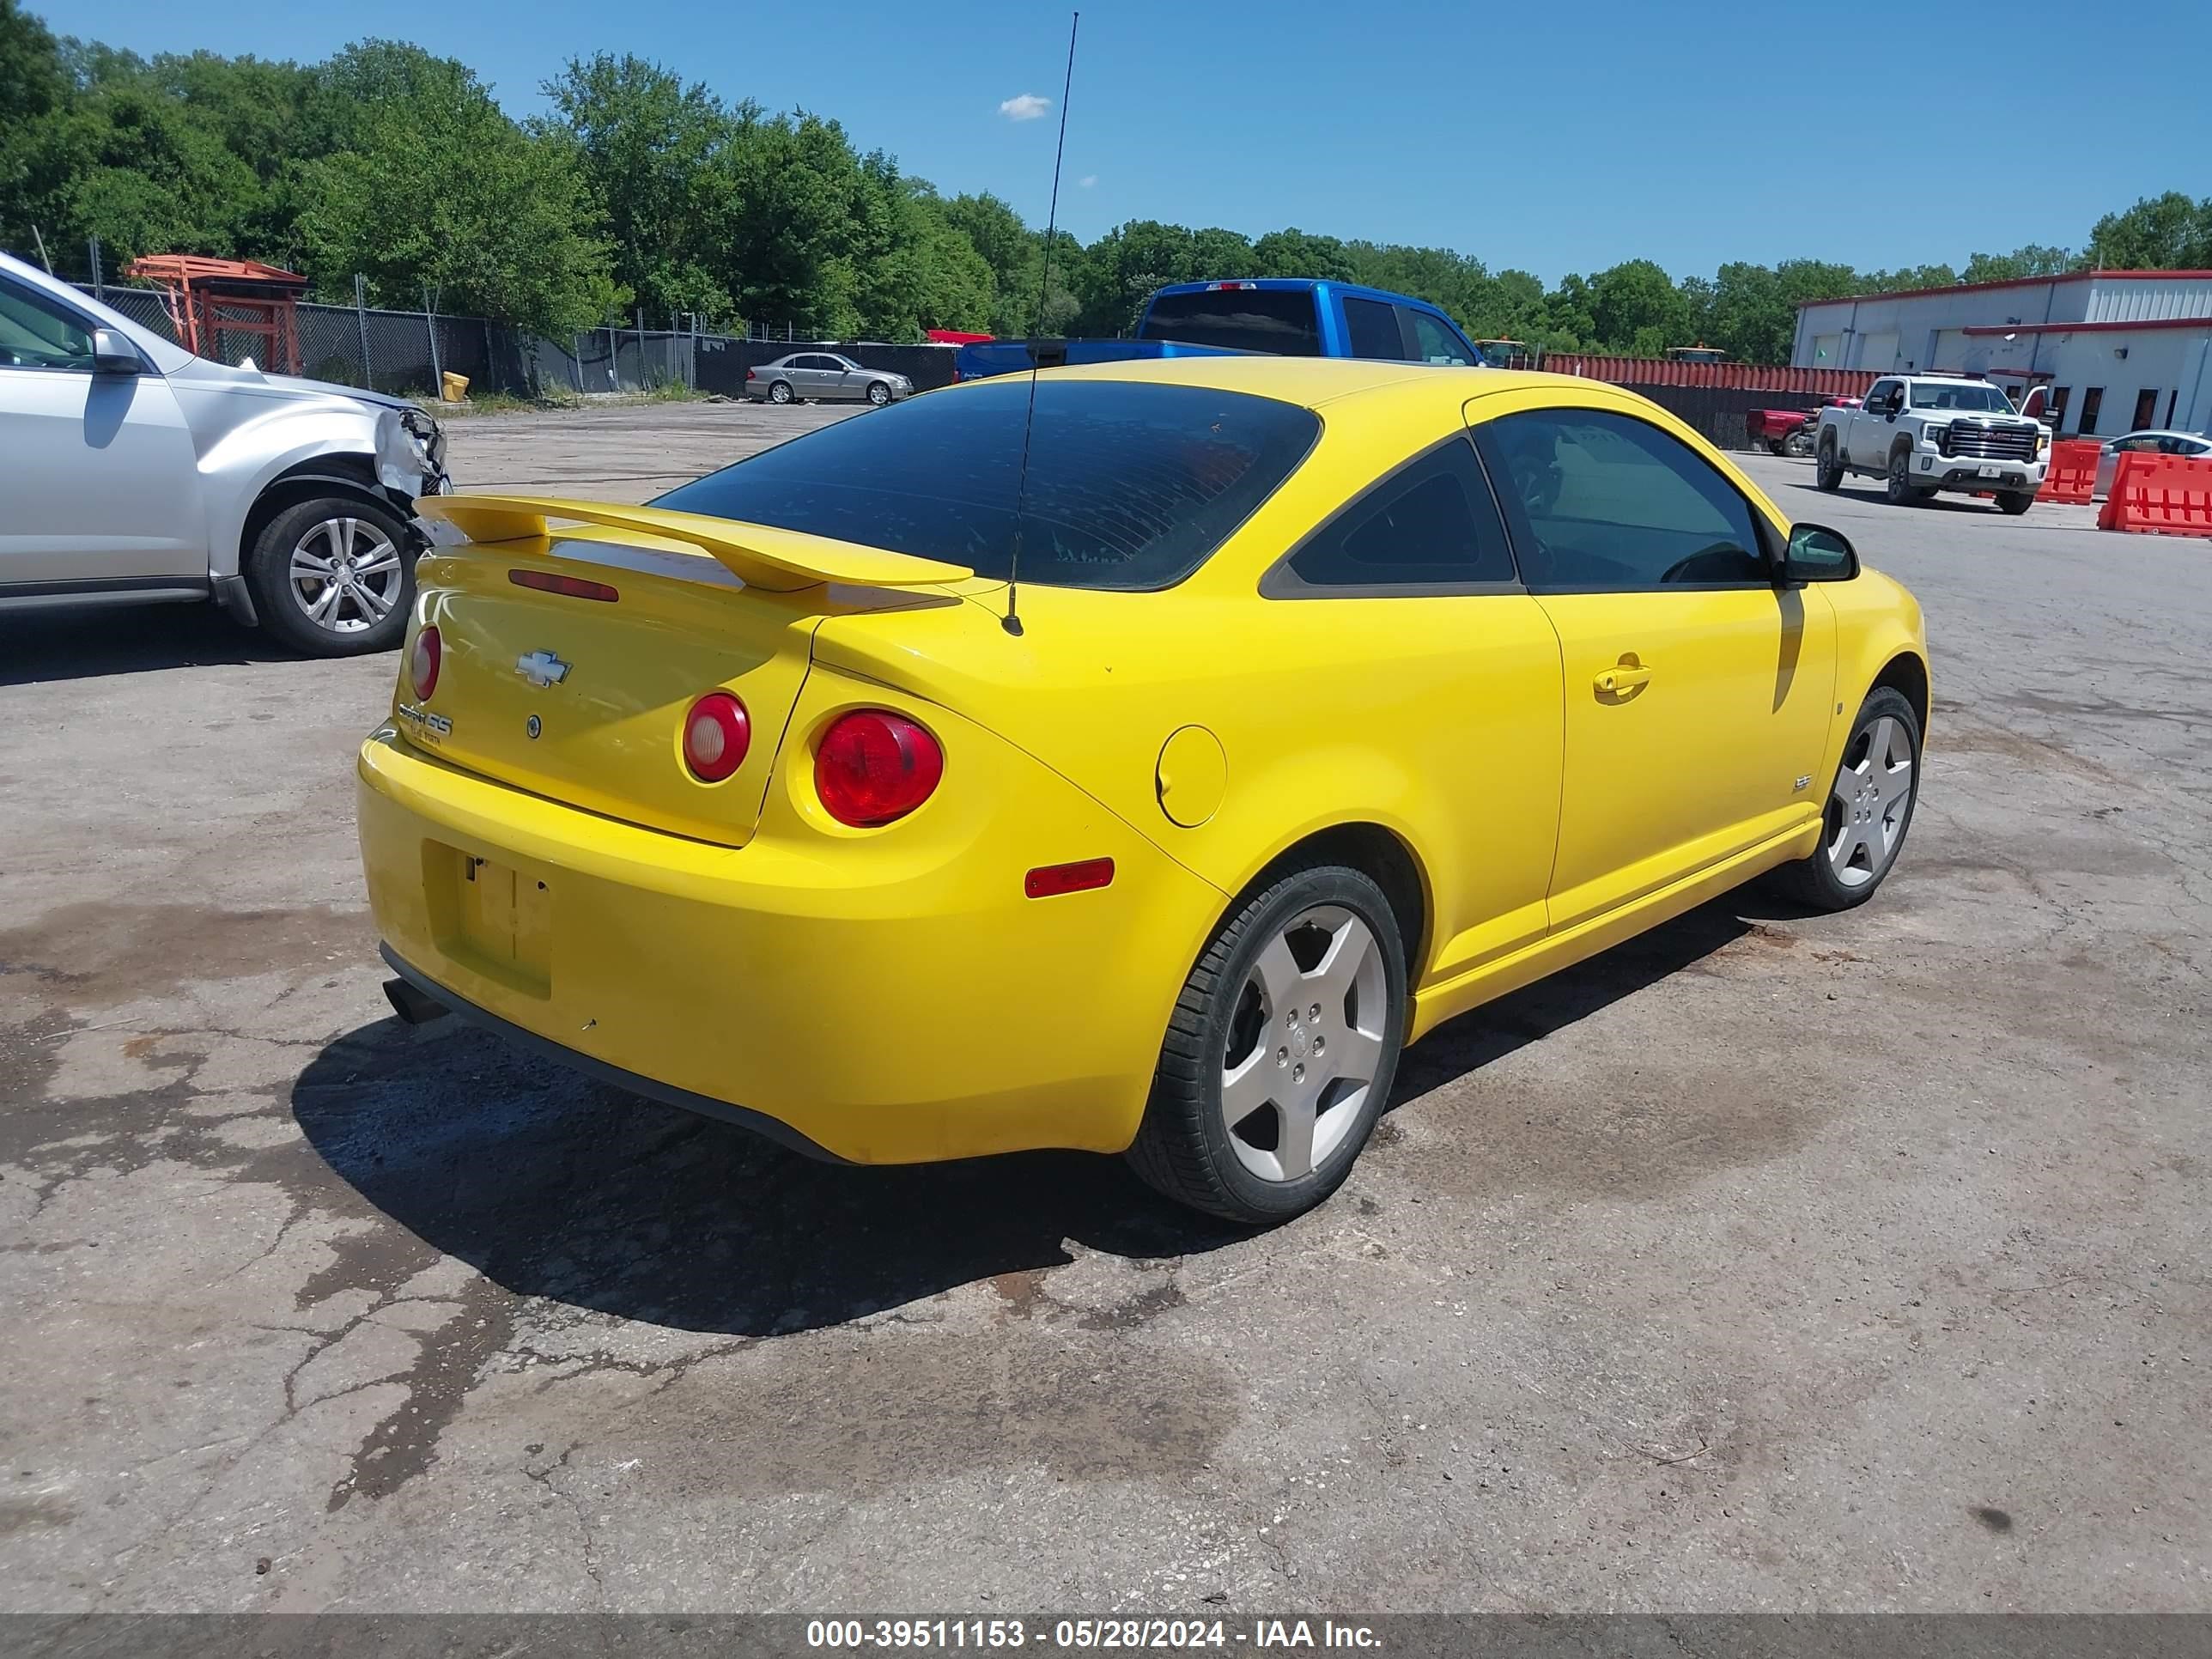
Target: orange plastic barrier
{"x":2164,"y":495}
{"x":2072,"y":473}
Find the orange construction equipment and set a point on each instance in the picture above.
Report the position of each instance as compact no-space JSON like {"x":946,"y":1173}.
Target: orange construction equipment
{"x":210,"y":298}
{"x":2073,"y":474}
{"x":2164,"y":495}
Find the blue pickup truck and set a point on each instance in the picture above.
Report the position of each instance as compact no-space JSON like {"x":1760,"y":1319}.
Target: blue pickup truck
{"x":1287,"y":316}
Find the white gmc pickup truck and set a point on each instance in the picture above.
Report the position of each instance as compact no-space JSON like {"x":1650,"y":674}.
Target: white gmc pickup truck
{"x":1922,"y":432}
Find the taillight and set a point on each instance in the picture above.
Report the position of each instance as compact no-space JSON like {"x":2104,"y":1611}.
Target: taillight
{"x":424,"y":661}
{"x":750,"y":375}
{"x":873,"y":765}
{"x":716,"y":734}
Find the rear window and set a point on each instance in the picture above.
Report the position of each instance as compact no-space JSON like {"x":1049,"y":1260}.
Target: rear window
{"x":1277,"y":321}
{"x":1130,"y":485}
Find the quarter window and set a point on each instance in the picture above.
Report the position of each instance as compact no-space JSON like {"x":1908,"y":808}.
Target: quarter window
{"x":37,"y":334}
{"x":1432,"y":523}
{"x":1599,"y":502}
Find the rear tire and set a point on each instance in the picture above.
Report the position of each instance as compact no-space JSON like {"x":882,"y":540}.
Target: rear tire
{"x":1291,"y":1025}
{"x":333,"y":577}
{"x":1827,"y":470}
{"x":2015,"y":502}
{"x":1869,"y":809}
{"x":779,"y":391}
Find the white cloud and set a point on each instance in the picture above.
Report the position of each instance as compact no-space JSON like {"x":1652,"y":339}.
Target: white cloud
{"x":1087,"y":180}
{"x":1027,"y":107}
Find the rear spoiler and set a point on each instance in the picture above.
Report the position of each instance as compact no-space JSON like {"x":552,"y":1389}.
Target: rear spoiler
{"x":781,"y":561}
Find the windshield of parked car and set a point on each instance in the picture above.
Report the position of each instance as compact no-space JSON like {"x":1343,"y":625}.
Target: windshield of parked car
{"x":1130,"y":485}
{"x":1984,"y":399}
{"x":1273,"y":320}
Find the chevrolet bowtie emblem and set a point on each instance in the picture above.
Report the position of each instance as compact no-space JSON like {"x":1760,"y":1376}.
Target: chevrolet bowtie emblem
{"x":542,"y":669}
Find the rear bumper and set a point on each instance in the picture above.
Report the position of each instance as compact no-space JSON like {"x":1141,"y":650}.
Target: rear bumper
{"x":880,"y":997}
{"x":636,"y":1082}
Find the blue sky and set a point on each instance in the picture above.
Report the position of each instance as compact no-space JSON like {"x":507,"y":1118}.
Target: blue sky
{"x":1554,"y":138}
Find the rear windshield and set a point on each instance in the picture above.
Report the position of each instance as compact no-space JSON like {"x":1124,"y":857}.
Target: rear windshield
{"x":1278,"y":320}
{"x":1986,"y":399}
{"x":1130,"y":485}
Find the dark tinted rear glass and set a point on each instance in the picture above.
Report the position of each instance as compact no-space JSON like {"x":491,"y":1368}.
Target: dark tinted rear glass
{"x":1374,"y":328}
{"x":1130,"y":485}
{"x":1278,"y":320}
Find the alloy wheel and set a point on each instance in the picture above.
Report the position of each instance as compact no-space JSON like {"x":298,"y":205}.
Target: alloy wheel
{"x":1868,"y":808}
{"x":345,"y":575}
{"x":1305,"y":1043}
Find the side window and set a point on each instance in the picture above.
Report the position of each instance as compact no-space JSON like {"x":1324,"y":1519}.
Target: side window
{"x":1605,"y":501}
{"x":1433,"y":342}
{"x":1883,"y":397}
{"x":1373,"y":327}
{"x":35,"y":333}
{"x":1432,"y":523}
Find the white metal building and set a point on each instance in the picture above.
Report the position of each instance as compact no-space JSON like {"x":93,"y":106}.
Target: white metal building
{"x":2120,"y":349}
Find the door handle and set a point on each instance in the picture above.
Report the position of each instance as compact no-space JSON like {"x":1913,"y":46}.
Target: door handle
{"x":1623,"y":676}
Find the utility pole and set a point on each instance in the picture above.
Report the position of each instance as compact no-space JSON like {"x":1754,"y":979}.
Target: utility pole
{"x":360,"y":321}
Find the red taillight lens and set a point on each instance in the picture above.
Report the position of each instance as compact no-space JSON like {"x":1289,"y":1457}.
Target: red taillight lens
{"x":716,"y":734}
{"x":424,"y":661}
{"x":750,"y":375}
{"x":873,"y":765}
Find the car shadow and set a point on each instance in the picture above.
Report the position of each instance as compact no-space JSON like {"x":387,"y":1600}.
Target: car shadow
{"x":555,"y":1186}
{"x":92,"y":642}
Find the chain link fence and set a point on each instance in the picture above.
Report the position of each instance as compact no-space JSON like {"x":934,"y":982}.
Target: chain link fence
{"x":405,"y":352}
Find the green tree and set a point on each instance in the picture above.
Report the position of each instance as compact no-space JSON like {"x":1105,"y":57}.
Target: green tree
{"x":2158,"y":232}
{"x":650,"y":147}
{"x":32,"y":87}
{"x":2033,"y":260}
{"x":435,"y":188}
{"x":1635,"y":306}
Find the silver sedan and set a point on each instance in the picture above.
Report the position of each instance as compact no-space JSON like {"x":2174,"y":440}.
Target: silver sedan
{"x":2156,"y":443}
{"x":825,"y":377}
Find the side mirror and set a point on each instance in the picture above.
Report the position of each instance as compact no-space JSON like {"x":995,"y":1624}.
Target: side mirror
{"x":113,"y":353}
{"x":1818,"y":554}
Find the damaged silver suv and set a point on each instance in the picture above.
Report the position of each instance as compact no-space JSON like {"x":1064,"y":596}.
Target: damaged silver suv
{"x":132,"y":471}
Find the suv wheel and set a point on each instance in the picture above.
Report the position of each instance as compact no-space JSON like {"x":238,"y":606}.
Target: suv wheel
{"x":333,"y":577}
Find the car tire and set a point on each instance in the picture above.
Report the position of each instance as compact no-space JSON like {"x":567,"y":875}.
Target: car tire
{"x":779,"y":391}
{"x":2015,"y":502}
{"x":1899,"y":485}
{"x":1776,"y":446}
{"x":878,"y":393}
{"x":1868,"y":810}
{"x":1798,"y":445}
{"x":1827,"y":470}
{"x":1253,"y":1116}
{"x":362,"y":605}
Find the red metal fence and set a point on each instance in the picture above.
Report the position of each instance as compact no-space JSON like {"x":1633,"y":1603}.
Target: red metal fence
{"x":1730,"y":377}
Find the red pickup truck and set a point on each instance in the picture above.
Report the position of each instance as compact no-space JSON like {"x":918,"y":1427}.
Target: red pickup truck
{"x":1790,"y":431}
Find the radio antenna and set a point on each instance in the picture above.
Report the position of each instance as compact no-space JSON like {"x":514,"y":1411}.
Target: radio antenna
{"x":1012,"y":622}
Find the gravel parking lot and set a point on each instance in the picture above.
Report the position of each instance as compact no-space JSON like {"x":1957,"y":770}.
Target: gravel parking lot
{"x":1768,"y":1262}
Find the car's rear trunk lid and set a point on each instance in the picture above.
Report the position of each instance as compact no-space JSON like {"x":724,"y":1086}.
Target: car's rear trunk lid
{"x":570,"y":658}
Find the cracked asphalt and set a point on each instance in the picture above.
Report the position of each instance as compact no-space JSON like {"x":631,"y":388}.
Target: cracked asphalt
{"x":1769,"y":1262}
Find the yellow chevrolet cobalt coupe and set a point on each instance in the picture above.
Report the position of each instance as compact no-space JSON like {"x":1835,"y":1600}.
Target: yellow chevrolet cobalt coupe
{"x":1327,"y":700}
